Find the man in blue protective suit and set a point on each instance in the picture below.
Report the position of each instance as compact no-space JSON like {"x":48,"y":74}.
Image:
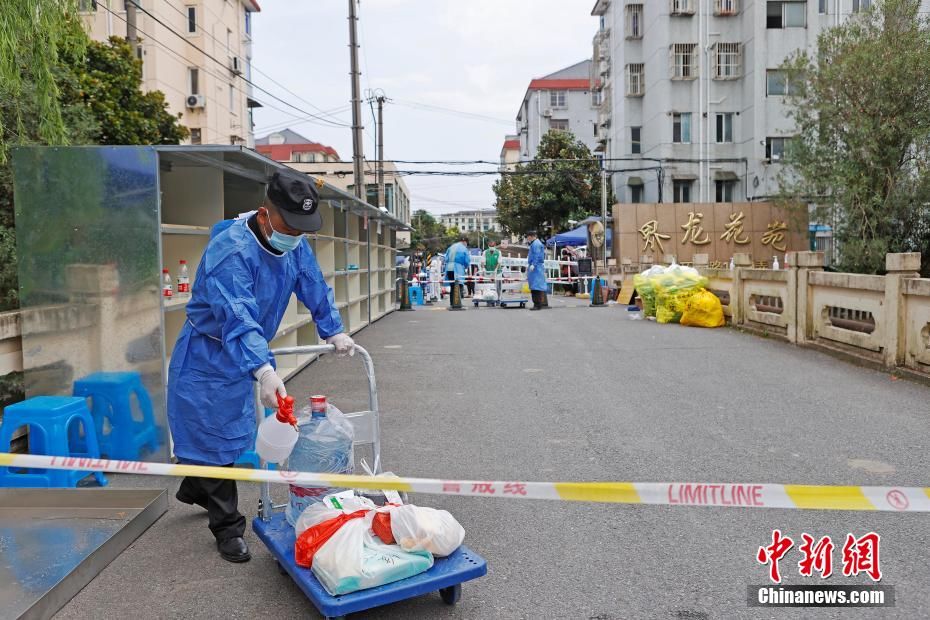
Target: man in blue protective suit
{"x":244,"y":282}
{"x":457,"y":260}
{"x":536,"y":272}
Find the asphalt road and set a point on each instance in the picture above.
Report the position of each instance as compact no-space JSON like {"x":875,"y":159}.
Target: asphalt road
{"x":584,"y":394}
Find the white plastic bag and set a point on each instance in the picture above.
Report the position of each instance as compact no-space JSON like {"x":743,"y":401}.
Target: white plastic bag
{"x":354,"y":559}
{"x":317,"y":512}
{"x":417,"y":528}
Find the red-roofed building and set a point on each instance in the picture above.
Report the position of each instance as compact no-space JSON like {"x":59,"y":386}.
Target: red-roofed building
{"x":560,"y":101}
{"x":510,"y":153}
{"x":289,"y":146}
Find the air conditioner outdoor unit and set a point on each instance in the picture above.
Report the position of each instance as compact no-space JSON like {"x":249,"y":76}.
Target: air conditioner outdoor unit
{"x":547,"y":113}
{"x":196,"y":101}
{"x":235,"y":65}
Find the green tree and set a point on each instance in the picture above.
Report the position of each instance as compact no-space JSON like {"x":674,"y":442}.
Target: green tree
{"x":862,"y":112}
{"x":430,"y":234}
{"x":561,"y":183}
{"x":108,"y":80}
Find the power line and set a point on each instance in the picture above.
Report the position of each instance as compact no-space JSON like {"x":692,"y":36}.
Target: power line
{"x":461,"y":113}
{"x":257,"y":70}
{"x":243,"y":78}
{"x":185,"y":61}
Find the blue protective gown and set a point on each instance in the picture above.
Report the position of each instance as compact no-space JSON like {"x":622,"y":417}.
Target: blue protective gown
{"x":536,"y":257}
{"x":457,"y":260}
{"x":238,"y":299}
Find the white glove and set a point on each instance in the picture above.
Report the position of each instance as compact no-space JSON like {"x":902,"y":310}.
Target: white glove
{"x":343,"y":343}
{"x":532,"y":267}
{"x":270,"y":386}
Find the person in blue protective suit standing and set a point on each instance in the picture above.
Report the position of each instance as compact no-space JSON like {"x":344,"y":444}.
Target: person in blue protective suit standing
{"x":457,"y":260}
{"x":536,"y":272}
{"x":244,"y":282}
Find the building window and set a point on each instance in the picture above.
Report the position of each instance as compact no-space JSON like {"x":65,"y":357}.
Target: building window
{"x":681,"y":191}
{"x":558,"y":124}
{"x":309,"y":158}
{"x":557,"y":98}
{"x":786,"y":14}
{"x":191,"y":19}
{"x":728,"y":61}
{"x":726,"y":7}
{"x":684,"y":61}
{"x":777,"y":148}
{"x":724,"y":191}
{"x":777,"y":84}
{"x":193,"y":79}
{"x":232,"y":100}
{"x":724,"y":127}
{"x":636,"y":194}
{"x":248,"y":23}
{"x":682,"y":7}
{"x":822,"y":7}
{"x":681,"y":128}
{"x":634,"y":21}
{"x":597,"y":97}
{"x":636,"y":80}
{"x":195,"y":135}
{"x":229,"y":40}
{"x":861,"y":5}
{"x":87,"y":6}
{"x":636,"y":144}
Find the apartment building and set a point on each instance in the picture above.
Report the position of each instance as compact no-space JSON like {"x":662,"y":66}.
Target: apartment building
{"x":559,"y":101}
{"x":691,"y":92}
{"x":301,"y":153}
{"x":473,"y":220}
{"x":197,"y":52}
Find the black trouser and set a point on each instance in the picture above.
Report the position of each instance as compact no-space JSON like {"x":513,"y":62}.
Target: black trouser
{"x":539,"y":299}
{"x":221,"y":500}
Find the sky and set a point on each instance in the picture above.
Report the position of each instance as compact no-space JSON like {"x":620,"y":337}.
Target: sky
{"x":475,"y":57}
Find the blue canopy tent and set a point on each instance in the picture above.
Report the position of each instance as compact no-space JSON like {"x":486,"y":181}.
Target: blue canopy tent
{"x":576,"y":237}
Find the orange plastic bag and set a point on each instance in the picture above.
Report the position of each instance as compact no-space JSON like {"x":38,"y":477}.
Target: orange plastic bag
{"x":381,"y":526}
{"x":310,"y":541}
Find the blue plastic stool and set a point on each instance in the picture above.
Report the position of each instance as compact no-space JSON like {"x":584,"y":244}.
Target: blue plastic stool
{"x":110,"y":394}
{"x":250,"y":458}
{"x":416,"y":295}
{"x":50,"y":420}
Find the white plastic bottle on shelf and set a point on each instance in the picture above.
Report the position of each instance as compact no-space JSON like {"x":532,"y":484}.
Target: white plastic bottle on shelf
{"x":184,"y":281}
{"x":167,"y":290}
{"x":731,"y":263}
{"x":775,"y":264}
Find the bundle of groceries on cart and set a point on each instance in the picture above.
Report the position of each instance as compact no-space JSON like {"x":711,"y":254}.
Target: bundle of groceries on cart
{"x":351,"y":541}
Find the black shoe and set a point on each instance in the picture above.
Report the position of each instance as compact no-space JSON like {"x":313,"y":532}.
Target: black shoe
{"x":184,"y":499}
{"x":536,"y":308}
{"x":234,"y":549}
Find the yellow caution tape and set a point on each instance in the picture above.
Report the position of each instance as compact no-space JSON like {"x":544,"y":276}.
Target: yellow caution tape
{"x":725,"y":494}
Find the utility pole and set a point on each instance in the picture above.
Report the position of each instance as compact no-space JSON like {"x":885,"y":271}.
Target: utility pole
{"x":131,"y":34}
{"x":357,"y":146}
{"x":604,"y":208}
{"x":380,"y":99}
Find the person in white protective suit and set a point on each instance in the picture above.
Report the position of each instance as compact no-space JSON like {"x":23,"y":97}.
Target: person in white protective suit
{"x":435,"y":277}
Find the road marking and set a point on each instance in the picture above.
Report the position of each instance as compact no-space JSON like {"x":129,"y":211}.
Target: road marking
{"x":393,"y":346}
{"x":873,"y":467}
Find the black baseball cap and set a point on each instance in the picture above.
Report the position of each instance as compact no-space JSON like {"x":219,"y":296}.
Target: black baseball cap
{"x":297,"y":200}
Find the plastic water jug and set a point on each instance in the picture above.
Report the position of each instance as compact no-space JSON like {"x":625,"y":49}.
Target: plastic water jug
{"x":324,"y":446}
{"x":277,"y":433}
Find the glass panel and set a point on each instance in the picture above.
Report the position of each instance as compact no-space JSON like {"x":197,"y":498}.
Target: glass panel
{"x":795,"y":14}
{"x":775,"y":83}
{"x":686,"y":128}
{"x":87,"y":231}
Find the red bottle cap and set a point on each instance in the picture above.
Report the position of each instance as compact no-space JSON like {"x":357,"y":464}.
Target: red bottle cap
{"x":318,"y":403}
{"x":183,"y":262}
{"x":165,"y":270}
{"x":286,"y":410}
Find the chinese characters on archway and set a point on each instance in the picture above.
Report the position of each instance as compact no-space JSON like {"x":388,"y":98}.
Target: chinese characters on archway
{"x":695,"y":234}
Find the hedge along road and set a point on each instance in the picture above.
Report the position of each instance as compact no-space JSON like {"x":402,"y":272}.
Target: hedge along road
{"x":584,"y":394}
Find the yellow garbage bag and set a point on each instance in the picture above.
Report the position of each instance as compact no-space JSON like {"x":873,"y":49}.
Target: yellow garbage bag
{"x":674,"y":289}
{"x":703,"y":310}
{"x":525,"y":289}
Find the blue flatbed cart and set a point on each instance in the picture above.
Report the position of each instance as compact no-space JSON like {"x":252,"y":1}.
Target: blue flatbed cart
{"x":510,"y":289}
{"x":446,"y":575}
